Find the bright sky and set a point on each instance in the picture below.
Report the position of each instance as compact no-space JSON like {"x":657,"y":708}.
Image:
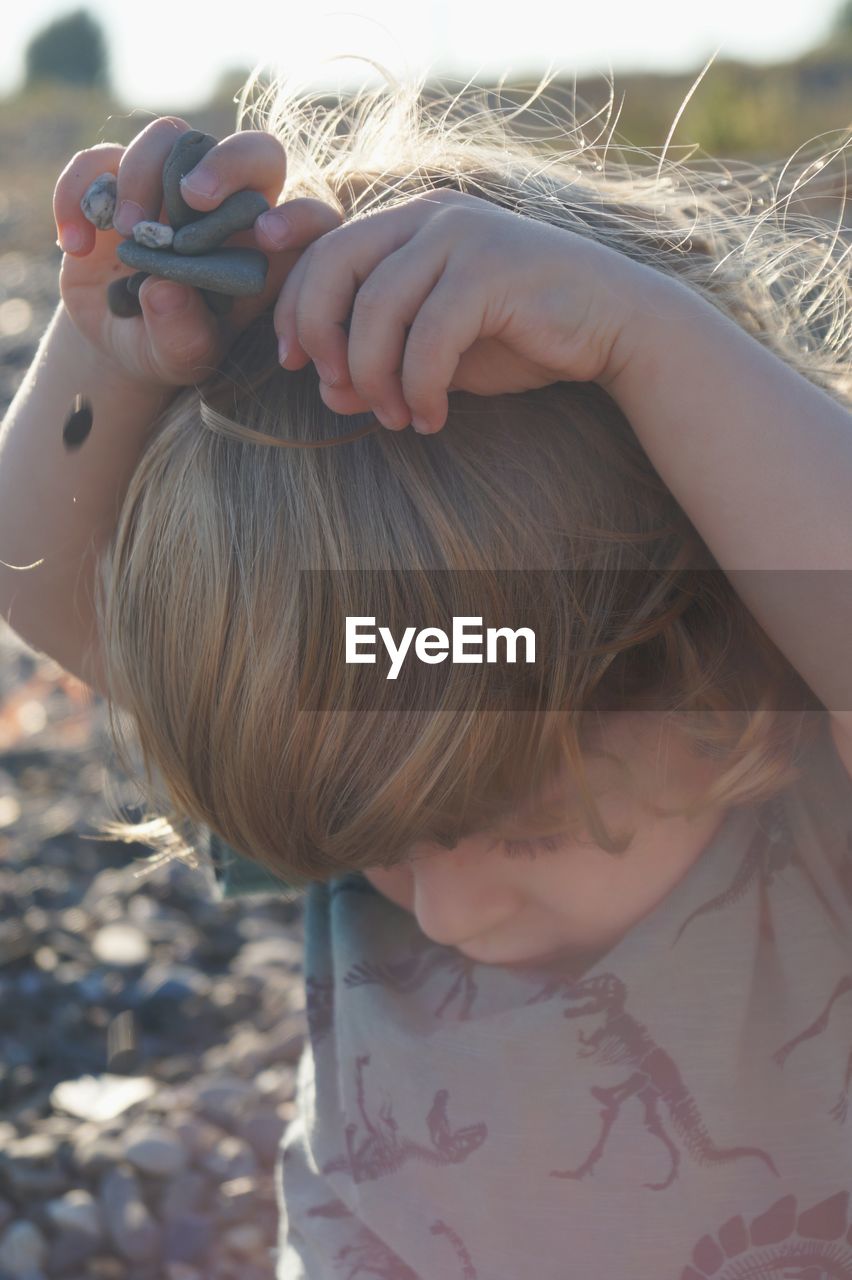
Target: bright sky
{"x":169,"y":59}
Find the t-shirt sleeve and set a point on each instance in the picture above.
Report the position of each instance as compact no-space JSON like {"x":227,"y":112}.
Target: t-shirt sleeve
{"x":822,"y":815}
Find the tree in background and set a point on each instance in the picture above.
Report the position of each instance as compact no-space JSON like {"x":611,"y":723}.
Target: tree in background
{"x":842,"y":24}
{"x":71,"y":50}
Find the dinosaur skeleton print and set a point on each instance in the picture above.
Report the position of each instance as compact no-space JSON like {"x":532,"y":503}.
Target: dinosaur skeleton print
{"x":679,"y":1111}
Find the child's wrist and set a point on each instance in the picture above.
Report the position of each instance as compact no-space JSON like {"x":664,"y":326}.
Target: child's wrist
{"x":654,"y":306}
{"x":95,"y":368}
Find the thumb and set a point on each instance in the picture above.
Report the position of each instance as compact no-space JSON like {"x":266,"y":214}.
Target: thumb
{"x":187,"y":340}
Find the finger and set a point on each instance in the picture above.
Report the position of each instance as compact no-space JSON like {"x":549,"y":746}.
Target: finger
{"x":251,"y":159}
{"x":386,"y":305}
{"x":316,"y":301}
{"x":140,"y":174}
{"x":187,"y":341}
{"x":72,"y":184}
{"x":296,"y":357}
{"x":307,"y":220}
{"x":295,"y":224}
{"x":448,"y":323}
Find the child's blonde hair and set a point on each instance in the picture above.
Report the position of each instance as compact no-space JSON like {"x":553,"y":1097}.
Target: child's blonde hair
{"x":198,"y":606}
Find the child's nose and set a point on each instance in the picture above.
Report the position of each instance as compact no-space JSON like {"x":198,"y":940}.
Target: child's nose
{"x":457,"y":892}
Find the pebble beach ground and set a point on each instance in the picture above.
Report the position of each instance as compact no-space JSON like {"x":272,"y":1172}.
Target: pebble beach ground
{"x":148,"y":1033}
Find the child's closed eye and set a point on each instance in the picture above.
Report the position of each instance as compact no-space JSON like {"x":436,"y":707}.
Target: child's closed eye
{"x":531,"y":848}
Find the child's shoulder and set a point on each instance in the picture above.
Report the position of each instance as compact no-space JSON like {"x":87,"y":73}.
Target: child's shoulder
{"x":841,"y":737}
{"x":819,"y":803}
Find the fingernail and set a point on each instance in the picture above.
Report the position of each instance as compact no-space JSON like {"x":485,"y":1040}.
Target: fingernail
{"x":201,"y":182}
{"x":167,"y":299}
{"x":282,"y":350}
{"x":70,"y":239}
{"x":276,"y":227}
{"x":126,"y":217}
{"x":326,"y":373}
{"x":421,"y":426}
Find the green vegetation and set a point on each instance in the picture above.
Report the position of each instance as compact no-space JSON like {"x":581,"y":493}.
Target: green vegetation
{"x":71,"y":50}
{"x":738,"y":110}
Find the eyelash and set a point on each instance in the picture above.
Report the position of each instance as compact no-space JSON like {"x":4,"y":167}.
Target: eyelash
{"x":531,"y":848}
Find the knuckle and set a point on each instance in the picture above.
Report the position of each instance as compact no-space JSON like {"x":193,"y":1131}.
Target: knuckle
{"x":446,"y":195}
{"x":323,"y":253}
{"x":370,"y":299}
{"x":261,"y":137}
{"x":163,"y":123}
{"x":188,"y":348}
{"x":371,"y":385}
{"x":309,"y":335}
{"x":425,"y":339}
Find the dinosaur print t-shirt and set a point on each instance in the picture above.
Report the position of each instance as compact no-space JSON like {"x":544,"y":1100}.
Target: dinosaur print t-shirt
{"x":677,"y":1112}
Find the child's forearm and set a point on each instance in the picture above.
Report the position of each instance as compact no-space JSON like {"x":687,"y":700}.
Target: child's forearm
{"x":761,"y":461}
{"x":59,"y":505}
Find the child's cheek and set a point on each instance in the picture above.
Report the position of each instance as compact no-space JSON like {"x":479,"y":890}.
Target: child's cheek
{"x":395,"y":883}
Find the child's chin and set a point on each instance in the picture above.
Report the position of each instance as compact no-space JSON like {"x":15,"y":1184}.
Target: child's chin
{"x":571,"y":963}
{"x":504,"y":962}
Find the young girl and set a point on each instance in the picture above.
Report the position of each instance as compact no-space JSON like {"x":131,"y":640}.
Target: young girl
{"x":577,"y":976}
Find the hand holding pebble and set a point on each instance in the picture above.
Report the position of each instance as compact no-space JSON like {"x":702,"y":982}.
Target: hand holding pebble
{"x":187,"y":248}
{"x":159,"y":332}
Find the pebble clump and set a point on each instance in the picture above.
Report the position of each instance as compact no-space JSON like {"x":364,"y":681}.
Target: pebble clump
{"x":188,"y":248}
{"x":149,"y":1034}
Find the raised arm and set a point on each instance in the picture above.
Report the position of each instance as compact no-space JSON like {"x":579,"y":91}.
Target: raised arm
{"x":761,"y":461}
{"x":58,"y":507}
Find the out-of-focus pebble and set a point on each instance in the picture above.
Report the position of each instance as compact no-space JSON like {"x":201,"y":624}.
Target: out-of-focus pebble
{"x":121,"y":943}
{"x":128,"y":1221}
{"x":98,"y":203}
{"x":77,"y":1210}
{"x":22,"y":1250}
{"x":101,"y":1097}
{"x":154,"y":1150}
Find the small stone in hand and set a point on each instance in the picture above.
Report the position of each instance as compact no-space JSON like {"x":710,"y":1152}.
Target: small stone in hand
{"x":188,"y":151}
{"x":98,"y":203}
{"x":154,"y":235}
{"x":237,"y":212}
{"x":121,"y":299}
{"x":239,"y":272}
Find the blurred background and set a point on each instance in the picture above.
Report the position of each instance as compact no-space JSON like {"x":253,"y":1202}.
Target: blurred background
{"x":148,"y":1032}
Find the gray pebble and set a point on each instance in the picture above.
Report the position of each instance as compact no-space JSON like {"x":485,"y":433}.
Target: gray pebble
{"x":187,"y":152}
{"x":77,"y":1210}
{"x":224,"y":1096}
{"x":154,"y":1149}
{"x":219,"y":303}
{"x":121,"y":300}
{"x":23,"y":1249}
{"x":155,"y":235}
{"x":230,"y":1158}
{"x":236,"y":213}
{"x":239,"y":272}
{"x":126,"y":1216}
{"x":134,"y":282}
{"x":98,"y":204}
